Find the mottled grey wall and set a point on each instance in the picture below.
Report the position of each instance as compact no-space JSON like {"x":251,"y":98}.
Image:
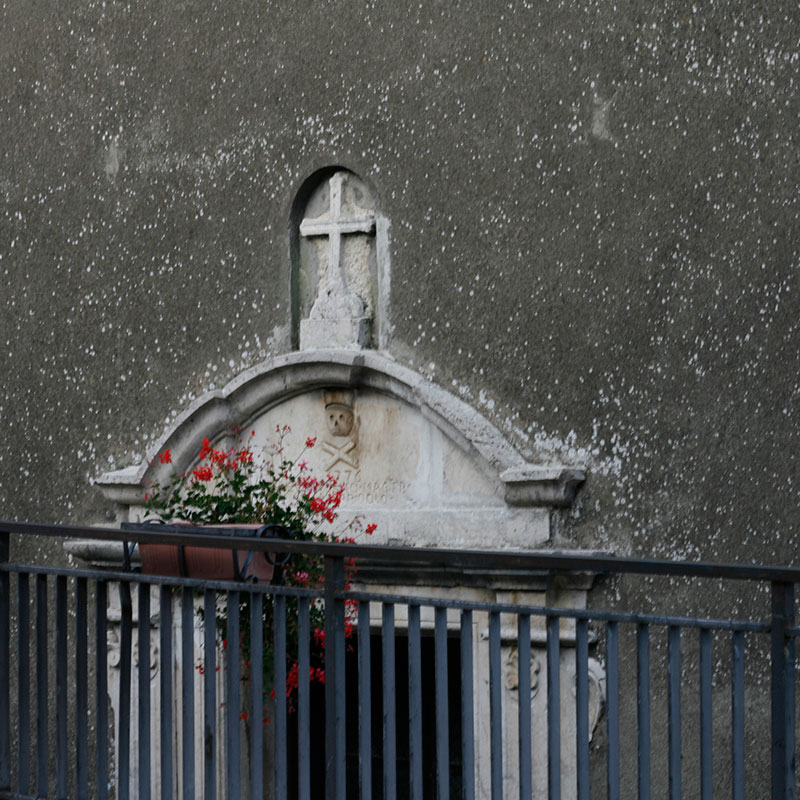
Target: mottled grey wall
{"x":594,"y":235}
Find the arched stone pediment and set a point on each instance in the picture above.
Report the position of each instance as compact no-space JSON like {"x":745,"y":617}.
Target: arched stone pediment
{"x":422,"y":464}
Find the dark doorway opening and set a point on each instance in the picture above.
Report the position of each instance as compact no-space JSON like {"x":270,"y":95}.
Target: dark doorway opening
{"x":402,"y":724}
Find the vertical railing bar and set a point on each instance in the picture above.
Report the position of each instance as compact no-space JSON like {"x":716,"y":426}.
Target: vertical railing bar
{"x":5,"y":666}
{"x":23,"y":684}
{"x":582,"y":708}
{"x":778,"y":692}
{"x":783,"y":694}
{"x":61,"y":687}
{"x":280,"y":696}
{"x":165,"y":690}
{"x":233,"y":751}
{"x":389,"y":705}
{"x":674,"y":703}
{"x":612,"y":713}
{"x":467,"y":707}
{"x":304,"y":698}
{"x":441,"y":704}
{"x":524,"y":692}
{"x":210,"y":739}
{"x":737,"y":715}
{"x":101,"y":686}
{"x":706,"y":719}
{"x":125,"y":669}
{"x":257,"y":695}
{"x":495,"y":709}
{"x":789,"y":704}
{"x":553,"y":709}
{"x":643,"y":709}
{"x":364,"y":703}
{"x":339,"y":692}
{"x":81,"y":689}
{"x":335,"y":779}
{"x":143,"y":630}
{"x":414,"y":703}
{"x":42,"y":646}
{"x":187,"y":693}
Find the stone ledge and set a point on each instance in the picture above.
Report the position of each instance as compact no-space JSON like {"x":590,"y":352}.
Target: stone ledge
{"x":102,"y":555}
{"x":541,"y":486}
{"x":427,"y":575}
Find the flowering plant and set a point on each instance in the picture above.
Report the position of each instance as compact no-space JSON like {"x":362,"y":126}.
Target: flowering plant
{"x":239,"y":485}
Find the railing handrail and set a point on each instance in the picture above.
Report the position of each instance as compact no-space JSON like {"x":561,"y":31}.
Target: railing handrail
{"x":529,"y":561}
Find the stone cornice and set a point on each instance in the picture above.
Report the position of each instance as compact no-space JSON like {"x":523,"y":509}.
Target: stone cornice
{"x":530,"y":485}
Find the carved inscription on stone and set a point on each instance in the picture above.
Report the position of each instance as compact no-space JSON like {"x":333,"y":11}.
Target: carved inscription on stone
{"x":379,"y":492}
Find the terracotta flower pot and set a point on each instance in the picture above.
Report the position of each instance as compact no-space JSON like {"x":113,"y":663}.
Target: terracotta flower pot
{"x":211,"y":563}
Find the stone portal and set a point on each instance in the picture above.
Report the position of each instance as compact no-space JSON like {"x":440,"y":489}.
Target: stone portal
{"x":429,"y":471}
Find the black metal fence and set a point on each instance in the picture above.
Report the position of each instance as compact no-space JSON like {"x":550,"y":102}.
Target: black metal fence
{"x":398,"y":694}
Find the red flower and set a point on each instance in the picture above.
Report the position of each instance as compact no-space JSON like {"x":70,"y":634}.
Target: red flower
{"x":370,"y":529}
{"x":165,"y":457}
{"x":318,"y":674}
{"x":203,"y":473}
{"x":310,"y":442}
{"x":291,"y":679}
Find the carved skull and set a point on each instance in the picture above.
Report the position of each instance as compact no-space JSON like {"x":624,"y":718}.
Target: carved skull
{"x":340,"y":419}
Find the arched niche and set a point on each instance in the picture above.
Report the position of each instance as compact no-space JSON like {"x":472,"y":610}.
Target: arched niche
{"x":339,"y":256}
{"x":419,"y":462}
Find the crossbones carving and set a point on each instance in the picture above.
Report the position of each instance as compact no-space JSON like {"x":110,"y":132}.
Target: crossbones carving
{"x":340,"y":454}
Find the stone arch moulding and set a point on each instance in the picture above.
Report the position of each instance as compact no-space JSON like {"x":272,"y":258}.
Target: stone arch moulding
{"x":425,"y":466}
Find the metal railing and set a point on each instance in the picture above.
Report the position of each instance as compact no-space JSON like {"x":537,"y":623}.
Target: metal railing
{"x":443,"y":662}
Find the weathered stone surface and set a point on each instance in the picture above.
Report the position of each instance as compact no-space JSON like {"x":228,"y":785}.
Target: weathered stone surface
{"x":422,"y":465}
{"x":339,"y":315}
{"x":405,"y":475}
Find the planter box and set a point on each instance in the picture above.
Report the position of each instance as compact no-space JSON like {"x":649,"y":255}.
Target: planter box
{"x":210,"y":563}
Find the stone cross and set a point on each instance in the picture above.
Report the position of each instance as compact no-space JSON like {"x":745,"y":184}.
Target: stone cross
{"x":334,"y":226}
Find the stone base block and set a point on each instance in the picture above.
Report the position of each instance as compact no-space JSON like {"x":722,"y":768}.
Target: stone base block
{"x":325,"y":334}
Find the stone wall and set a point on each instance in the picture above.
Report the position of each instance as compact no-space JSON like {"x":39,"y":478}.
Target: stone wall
{"x":592,"y":237}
